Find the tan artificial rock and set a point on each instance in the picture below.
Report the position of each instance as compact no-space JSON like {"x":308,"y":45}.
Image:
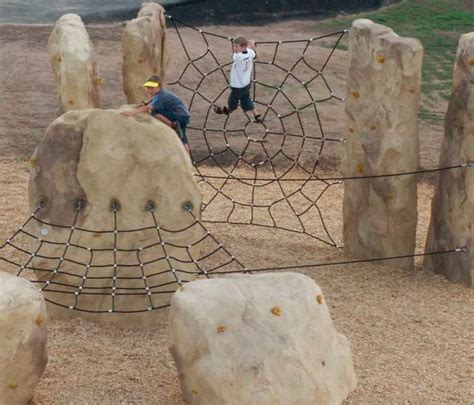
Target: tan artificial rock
{"x":100,"y":156}
{"x":144,"y":50}
{"x":258,"y":339}
{"x":74,"y":66}
{"x":380,"y":214}
{"x":452,"y":212}
{"x":23,"y":336}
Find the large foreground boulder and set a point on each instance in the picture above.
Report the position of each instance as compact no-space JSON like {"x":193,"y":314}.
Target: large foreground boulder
{"x":144,"y":50}
{"x":74,"y":66}
{"x":107,"y":178}
{"x":452,"y":212}
{"x":258,"y":339}
{"x":380,"y":214}
{"x":23,"y":355}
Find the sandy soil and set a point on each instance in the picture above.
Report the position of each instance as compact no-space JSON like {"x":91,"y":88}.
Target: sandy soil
{"x":410,"y":333}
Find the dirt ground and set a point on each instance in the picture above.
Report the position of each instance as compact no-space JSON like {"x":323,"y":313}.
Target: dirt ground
{"x":410,"y":332}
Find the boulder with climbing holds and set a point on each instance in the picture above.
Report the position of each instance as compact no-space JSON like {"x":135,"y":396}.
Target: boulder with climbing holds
{"x":23,"y":336}
{"x":266,"y":339}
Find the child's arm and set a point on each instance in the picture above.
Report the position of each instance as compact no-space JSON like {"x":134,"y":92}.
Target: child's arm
{"x":162,"y":118}
{"x":252,"y":46}
{"x":141,"y":109}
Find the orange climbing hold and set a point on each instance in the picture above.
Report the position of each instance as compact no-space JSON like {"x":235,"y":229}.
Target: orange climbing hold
{"x":276,"y":311}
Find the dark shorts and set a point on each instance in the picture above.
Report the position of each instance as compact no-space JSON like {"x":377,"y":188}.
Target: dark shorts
{"x":241,"y":95}
{"x":181,"y":124}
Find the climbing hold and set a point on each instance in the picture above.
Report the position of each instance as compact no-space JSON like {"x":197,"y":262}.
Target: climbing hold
{"x":276,"y":311}
{"x":40,"y":321}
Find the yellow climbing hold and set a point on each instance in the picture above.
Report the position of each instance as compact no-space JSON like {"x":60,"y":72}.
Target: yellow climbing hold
{"x":276,"y":311}
{"x":319,"y":298}
{"x":220,"y":329}
{"x":71,"y":102}
{"x":470,"y":61}
{"x":13,"y":386}
{"x":194,"y":392}
{"x":33,"y":162}
{"x":360,"y":168}
{"x":355,"y":94}
{"x":381,"y":58}
{"x":351,"y":130}
{"x":99,"y":81}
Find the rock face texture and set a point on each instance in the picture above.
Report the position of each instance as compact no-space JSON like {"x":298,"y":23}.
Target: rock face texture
{"x":74,"y":67}
{"x":380,"y":214}
{"x":258,"y":339}
{"x":113,"y":167}
{"x":452,"y":211}
{"x":144,"y":50}
{"x":23,"y":336}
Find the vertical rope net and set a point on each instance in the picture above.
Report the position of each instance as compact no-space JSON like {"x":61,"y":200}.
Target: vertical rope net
{"x":264,"y":173}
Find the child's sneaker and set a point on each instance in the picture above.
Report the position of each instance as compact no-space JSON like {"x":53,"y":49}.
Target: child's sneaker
{"x":221,"y":110}
{"x":258,"y":118}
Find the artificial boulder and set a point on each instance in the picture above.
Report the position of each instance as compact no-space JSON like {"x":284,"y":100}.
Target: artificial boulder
{"x":23,"y":336}
{"x":121,"y":188}
{"x":144,"y":50}
{"x":75,"y":71}
{"x":266,"y":339}
{"x":380,"y":213}
{"x":452,"y":211}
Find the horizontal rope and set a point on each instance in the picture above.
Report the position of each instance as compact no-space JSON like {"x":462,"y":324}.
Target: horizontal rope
{"x":347,"y":262}
{"x":232,"y":177}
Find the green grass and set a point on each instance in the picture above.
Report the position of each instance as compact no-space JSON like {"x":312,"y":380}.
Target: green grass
{"x":438,"y":25}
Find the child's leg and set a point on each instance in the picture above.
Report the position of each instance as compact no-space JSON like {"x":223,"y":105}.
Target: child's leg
{"x":233,"y":100}
{"x":247,"y":104}
{"x":181,"y":130}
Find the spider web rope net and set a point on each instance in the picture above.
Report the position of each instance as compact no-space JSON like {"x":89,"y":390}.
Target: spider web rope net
{"x":263,"y":173}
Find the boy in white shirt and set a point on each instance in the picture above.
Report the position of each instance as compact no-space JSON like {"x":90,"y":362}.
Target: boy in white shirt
{"x":240,"y":75}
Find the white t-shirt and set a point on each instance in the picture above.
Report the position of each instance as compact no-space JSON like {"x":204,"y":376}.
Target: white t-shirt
{"x":241,"y":68}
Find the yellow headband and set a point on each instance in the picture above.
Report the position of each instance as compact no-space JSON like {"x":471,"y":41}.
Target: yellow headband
{"x":151,"y":84}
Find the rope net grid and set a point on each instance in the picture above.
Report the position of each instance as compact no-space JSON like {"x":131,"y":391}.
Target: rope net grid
{"x":292,"y":89}
{"x":261,"y":174}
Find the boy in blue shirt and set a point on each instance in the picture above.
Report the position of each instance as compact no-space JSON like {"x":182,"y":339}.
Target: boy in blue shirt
{"x":165,"y":106}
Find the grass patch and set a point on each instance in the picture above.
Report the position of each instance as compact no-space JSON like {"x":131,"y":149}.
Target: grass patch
{"x":438,"y":25}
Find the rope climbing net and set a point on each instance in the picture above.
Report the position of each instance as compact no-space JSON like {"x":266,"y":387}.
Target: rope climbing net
{"x":128,"y":279}
{"x":260,"y":173}
{"x":263,"y":174}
